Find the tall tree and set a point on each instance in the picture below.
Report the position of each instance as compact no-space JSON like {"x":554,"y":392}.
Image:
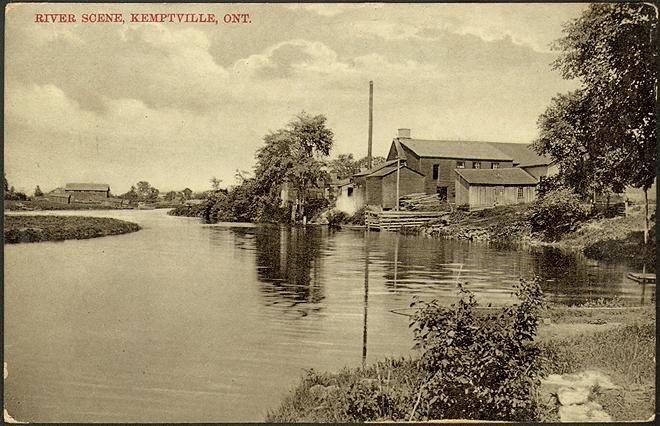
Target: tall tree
{"x":611,"y":50}
{"x":294,"y":156}
{"x":38,"y":192}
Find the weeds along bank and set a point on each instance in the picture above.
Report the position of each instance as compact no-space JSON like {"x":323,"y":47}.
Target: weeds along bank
{"x":559,"y":219}
{"x":485,"y":364}
{"x":29,"y":229}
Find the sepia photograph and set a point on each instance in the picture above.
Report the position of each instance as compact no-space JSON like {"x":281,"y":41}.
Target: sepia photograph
{"x":329,"y":212}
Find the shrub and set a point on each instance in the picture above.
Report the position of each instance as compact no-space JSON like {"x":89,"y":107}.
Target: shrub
{"x":557,"y":213}
{"x":479,"y":366}
{"x":336,"y":218}
{"x":358,"y":216}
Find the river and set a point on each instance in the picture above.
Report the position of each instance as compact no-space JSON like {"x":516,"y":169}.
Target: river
{"x":185,"y":322}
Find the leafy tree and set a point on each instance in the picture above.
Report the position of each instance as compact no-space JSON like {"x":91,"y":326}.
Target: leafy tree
{"x":6,"y":183}
{"x":38,"y":192}
{"x":375,"y":162}
{"x":187,"y":193}
{"x":293,"y":156}
{"x":611,"y":50}
{"x":130,"y":195}
{"x":170,"y":196}
{"x":343,"y":166}
{"x":215,"y":183}
{"x":146,"y":192}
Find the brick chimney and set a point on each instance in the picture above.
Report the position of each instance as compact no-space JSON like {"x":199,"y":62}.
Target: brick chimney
{"x":404,"y":133}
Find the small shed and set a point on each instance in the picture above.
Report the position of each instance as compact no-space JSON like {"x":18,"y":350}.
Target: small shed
{"x":381,"y":185}
{"x":484,"y":188}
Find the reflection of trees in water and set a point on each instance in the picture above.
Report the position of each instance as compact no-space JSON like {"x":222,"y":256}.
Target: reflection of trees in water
{"x":288,"y":265}
{"x":570,"y":278}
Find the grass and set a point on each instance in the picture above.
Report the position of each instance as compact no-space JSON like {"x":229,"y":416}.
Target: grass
{"x":626,"y":354}
{"x":384,"y":391}
{"x":44,"y":204}
{"x":29,"y":229}
{"x":388,"y":390}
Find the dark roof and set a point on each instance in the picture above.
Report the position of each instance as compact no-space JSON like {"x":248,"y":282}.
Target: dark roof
{"x":87,"y":187}
{"x":504,"y":176}
{"x":523,"y":154}
{"x":375,"y":169}
{"x":520,"y":153}
{"x":390,"y":169}
{"x":455,"y":149}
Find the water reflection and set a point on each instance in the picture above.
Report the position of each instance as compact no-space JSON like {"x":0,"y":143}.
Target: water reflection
{"x":288,"y":263}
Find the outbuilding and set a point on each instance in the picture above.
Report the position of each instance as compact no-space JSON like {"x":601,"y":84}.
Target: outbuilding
{"x":483,"y":188}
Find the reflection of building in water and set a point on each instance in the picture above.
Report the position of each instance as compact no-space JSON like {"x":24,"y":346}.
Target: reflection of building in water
{"x":289,"y":264}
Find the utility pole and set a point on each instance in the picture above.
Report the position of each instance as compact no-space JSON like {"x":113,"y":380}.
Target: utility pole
{"x":398,"y":180}
{"x":371,"y":121}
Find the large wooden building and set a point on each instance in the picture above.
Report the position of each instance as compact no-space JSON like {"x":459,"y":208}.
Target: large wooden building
{"x":438,"y":160}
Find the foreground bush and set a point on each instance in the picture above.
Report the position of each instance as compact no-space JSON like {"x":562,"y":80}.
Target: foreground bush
{"x":557,"y":213}
{"x":482,"y":367}
{"x":472,"y":366}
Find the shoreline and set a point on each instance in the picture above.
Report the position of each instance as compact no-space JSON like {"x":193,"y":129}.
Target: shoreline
{"x":20,"y":229}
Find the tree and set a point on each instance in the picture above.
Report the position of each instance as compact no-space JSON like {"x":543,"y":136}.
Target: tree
{"x":146,"y":192}
{"x":130,"y":195}
{"x":343,"y":166}
{"x":215,"y":183}
{"x":38,"y":192}
{"x":293,"y":156}
{"x":187,"y":193}
{"x":6,"y":183}
{"x":611,"y":50}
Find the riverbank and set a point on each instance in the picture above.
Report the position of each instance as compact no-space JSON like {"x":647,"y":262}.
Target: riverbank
{"x":619,"y":343}
{"x":619,"y":239}
{"x":30,"y":229}
{"x":43,"y":204}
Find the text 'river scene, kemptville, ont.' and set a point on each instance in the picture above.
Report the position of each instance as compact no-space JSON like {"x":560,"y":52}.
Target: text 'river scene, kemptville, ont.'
{"x":329,"y":213}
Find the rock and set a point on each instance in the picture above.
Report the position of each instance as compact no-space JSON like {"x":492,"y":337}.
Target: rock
{"x":571,"y":396}
{"x":584,"y":379}
{"x":317,"y":391}
{"x":589,"y":412}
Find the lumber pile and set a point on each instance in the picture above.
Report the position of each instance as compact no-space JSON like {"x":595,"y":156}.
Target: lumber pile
{"x":423,"y":202}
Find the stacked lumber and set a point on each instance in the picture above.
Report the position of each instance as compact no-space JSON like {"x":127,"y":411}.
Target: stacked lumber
{"x":422,"y":202}
{"x":395,"y":220}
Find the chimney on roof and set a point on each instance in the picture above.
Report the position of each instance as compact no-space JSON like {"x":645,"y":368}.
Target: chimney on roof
{"x":404,"y":133}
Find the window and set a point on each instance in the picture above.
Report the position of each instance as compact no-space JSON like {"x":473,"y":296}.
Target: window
{"x":442,"y":192}
{"x":436,"y":171}
{"x":494,"y":165}
{"x":350,"y":192}
{"x":520,"y":192}
{"x":460,"y":164}
{"x":476,"y":165}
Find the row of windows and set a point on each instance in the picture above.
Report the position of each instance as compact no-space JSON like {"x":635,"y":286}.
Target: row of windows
{"x":461,"y":165}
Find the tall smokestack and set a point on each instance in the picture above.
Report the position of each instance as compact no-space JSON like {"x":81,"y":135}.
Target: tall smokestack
{"x":371,"y":121}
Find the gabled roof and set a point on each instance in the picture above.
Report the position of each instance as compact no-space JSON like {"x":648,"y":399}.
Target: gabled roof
{"x":375,"y":169}
{"x":87,"y":187}
{"x":470,"y":150}
{"x":390,"y":169}
{"x":504,"y":176}
{"x":523,"y":154}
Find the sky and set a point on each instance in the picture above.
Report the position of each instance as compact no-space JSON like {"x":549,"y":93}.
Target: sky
{"x":178,"y":103}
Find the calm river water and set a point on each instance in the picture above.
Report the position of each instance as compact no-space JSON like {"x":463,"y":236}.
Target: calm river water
{"x":184,"y":322}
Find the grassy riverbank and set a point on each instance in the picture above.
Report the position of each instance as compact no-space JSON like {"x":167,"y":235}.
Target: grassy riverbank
{"x":29,"y":229}
{"x":617,"y":342}
{"x":618,"y":239}
{"x":44,"y":204}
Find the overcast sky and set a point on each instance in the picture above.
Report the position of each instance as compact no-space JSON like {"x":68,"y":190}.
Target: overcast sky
{"x":176,"y":104}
